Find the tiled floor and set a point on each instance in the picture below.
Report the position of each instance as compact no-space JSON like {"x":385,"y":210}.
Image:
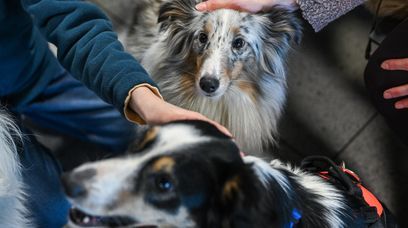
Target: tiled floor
{"x":328,"y":111}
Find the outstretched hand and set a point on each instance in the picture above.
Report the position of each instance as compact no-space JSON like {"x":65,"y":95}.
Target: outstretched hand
{"x":156,"y":111}
{"x":252,"y":6}
{"x":399,"y":91}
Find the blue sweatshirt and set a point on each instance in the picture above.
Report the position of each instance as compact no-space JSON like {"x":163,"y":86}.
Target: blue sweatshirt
{"x":87,"y":48}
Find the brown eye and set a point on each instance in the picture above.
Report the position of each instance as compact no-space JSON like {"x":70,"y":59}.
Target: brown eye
{"x":203,"y":38}
{"x":238,"y":43}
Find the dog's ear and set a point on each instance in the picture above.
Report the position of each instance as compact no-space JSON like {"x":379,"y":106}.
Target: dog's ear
{"x":177,"y":12}
{"x":280,"y":29}
{"x":175,"y":17}
{"x":145,"y":137}
{"x":284,"y":24}
{"x":238,"y":192}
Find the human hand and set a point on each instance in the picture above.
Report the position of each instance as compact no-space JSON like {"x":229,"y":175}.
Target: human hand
{"x":252,"y":6}
{"x":398,"y":91}
{"x":156,"y":111}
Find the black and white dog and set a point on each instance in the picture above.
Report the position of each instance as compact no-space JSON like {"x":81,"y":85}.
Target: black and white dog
{"x":188,"y":174}
{"x":227,"y":65}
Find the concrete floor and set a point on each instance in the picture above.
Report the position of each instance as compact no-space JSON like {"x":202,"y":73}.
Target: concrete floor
{"x":328,"y":111}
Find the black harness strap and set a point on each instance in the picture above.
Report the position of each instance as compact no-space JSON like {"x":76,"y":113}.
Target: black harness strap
{"x":328,"y":170}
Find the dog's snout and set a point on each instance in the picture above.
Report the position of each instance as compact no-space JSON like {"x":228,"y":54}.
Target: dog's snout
{"x":73,"y":182}
{"x":209,"y":84}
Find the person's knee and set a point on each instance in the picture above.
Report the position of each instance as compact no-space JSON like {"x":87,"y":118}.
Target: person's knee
{"x":46,"y":201}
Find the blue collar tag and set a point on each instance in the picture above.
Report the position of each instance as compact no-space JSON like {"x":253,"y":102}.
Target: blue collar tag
{"x":296,"y":216}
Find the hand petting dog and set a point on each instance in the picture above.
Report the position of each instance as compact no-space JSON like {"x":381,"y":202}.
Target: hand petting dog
{"x":399,"y":91}
{"x":253,"y":6}
{"x":156,"y":111}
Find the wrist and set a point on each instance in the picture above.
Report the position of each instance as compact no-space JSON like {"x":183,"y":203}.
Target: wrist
{"x":142,"y":99}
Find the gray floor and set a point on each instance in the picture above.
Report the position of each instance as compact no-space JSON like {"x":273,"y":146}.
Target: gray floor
{"x":328,"y":111}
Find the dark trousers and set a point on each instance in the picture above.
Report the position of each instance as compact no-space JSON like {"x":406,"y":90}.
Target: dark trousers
{"x":68,"y":107}
{"x":377,"y":80}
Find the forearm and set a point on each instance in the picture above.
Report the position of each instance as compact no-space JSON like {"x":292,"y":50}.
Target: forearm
{"x":88,"y":47}
{"x":321,"y":12}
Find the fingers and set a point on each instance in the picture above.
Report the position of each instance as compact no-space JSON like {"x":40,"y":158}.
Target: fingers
{"x":223,"y":129}
{"x":395,"y":92}
{"x":402,"y":104}
{"x":163,"y":112}
{"x":395,"y":64}
{"x":399,"y":91}
{"x":211,"y":5}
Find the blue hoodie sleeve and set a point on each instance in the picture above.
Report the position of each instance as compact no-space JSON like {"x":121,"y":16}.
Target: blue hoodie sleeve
{"x":88,"y":48}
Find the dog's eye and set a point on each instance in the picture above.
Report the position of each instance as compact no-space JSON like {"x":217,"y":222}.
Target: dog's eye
{"x":164,"y":184}
{"x":238,"y":43}
{"x":203,"y":38}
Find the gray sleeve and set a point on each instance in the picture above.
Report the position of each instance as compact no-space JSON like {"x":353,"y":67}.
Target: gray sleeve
{"x":319,"y":13}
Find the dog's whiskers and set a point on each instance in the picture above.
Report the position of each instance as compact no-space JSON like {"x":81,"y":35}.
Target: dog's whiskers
{"x":243,"y":81}
{"x":188,"y":72}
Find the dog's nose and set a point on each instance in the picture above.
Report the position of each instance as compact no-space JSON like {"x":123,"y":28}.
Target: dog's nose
{"x":73,"y":182}
{"x":209,"y":84}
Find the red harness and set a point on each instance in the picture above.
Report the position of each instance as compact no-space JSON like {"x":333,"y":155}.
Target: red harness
{"x":368,"y":197}
{"x":370,"y":209}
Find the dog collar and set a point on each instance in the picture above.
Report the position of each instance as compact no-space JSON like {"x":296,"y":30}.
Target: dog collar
{"x":296,"y":216}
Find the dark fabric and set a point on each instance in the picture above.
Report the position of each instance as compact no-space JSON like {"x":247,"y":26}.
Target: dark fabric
{"x":26,"y":64}
{"x":47,"y":204}
{"x":87,"y":48}
{"x":69,"y":107}
{"x":34,"y":84}
{"x":386,"y":220}
{"x":319,"y":13}
{"x":378,"y":80}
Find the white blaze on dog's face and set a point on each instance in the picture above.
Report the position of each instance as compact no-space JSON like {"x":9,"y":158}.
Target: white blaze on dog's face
{"x":223,"y":48}
{"x":160,"y":184}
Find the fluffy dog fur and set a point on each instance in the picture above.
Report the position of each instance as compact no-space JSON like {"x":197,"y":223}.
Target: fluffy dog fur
{"x":12,"y":210}
{"x":241,"y":55}
{"x":188,"y":174}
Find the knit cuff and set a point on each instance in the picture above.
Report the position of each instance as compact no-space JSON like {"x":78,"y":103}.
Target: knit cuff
{"x":131,"y":115}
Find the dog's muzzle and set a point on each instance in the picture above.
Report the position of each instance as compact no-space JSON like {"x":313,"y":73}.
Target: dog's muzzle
{"x":82,"y":219}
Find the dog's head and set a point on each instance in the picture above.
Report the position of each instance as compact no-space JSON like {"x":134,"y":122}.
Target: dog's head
{"x":183,"y":174}
{"x":225,"y":49}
